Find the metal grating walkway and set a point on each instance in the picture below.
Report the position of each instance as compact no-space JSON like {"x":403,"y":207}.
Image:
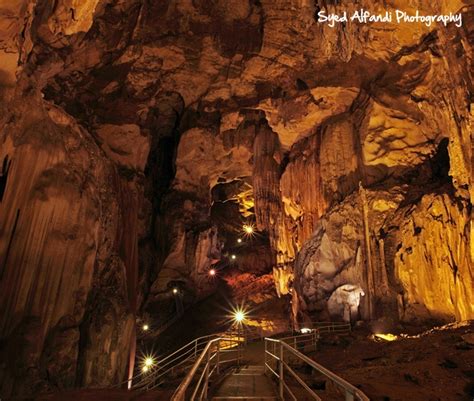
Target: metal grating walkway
{"x":246,"y":383}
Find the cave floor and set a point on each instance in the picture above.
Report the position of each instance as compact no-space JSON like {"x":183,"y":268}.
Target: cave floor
{"x":438,"y":366}
{"x":107,"y":395}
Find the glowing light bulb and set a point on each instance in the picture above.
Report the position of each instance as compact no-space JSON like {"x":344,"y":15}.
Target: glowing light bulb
{"x":145,"y":327}
{"x":212,"y":272}
{"x":233,"y":257}
{"x":175,"y":291}
{"x":239,"y":316}
{"x":149,"y":361}
{"x":248,"y":229}
{"x":145,"y":369}
{"x":239,"y":240}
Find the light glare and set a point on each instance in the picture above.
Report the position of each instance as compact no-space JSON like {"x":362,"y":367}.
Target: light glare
{"x":148,"y":361}
{"x":248,"y":229}
{"x":386,"y":337}
{"x":239,"y":316}
{"x":145,"y":327}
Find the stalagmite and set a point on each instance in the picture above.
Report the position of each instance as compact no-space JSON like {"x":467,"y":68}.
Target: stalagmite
{"x":371,"y":292}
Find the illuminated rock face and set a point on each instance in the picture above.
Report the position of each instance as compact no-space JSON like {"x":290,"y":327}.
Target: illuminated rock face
{"x":433,"y":262}
{"x":128,"y":124}
{"x":419,"y":254}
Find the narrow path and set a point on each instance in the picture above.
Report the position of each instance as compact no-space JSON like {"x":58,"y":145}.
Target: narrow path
{"x":254,"y":353}
{"x":246,"y":383}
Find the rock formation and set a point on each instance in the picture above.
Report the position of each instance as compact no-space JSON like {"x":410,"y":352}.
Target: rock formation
{"x":137,"y":137}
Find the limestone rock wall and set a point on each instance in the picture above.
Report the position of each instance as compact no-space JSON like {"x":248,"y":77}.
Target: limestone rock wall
{"x":63,"y":231}
{"x":421,"y":265}
{"x":432,"y":261}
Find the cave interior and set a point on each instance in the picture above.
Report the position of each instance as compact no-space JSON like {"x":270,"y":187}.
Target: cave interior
{"x":168,"y":165}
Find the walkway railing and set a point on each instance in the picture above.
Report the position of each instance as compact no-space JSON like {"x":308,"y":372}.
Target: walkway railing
{"x":303,"y":342}
{"x":196,"y":383}
{"x":179,"y":359}
{"x":189,"y":355}
{"x":332,"y":327}
{"x":185,"y":356}
{"x":277,"y":362}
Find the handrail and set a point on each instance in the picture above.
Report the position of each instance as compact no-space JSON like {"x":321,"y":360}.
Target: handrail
{"x":210,"y":353}
{"x":330,"y":327}
{"x":301,"y":341}
{"x":279,"y":346}
{"x":177,"y":358}
{"x":187,"y":353}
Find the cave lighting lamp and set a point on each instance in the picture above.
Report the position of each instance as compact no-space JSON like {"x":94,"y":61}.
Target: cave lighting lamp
{"x":239,"y":241}
{"x":386,"y":336}
{"x":145,"y":327}
{"x":175,"y":291}
{"x":145,"y":369}
{"x":239,"y":315}
{"x":233,"y":257}
{"x":248,"y":229}
{"x":305,"y":330}
{"x":212,"y":272}
{"x":149,"y":361}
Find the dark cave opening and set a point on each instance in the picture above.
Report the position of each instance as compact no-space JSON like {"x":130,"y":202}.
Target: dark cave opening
{"x":4,"y":176}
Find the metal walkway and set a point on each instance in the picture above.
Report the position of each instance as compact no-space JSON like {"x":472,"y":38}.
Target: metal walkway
{"x":277,"y":375}
{"x":246,"y":383}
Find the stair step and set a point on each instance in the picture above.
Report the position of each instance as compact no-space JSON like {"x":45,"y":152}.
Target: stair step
{"x":251,"y":369}
{"x":245,"y":398}
{"x":247,"y":383}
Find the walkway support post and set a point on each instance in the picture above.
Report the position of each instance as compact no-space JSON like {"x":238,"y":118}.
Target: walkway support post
{"x":281,"y":372}
{"x":218,"y":356}
{"x":206,"y":383}
{"x":265,"y":360}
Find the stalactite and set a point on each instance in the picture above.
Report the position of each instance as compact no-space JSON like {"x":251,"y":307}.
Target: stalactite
{"x":266,"y":178}
{"x":383,"y":268}
{"x":369,"y":274}
{"x":302,"y":194}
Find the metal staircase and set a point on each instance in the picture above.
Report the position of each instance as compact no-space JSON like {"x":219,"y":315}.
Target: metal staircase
{"x":282,"y":360}
{"x":212,"y":359}
{"x":176,"y":364}
{"x":246,"y":383}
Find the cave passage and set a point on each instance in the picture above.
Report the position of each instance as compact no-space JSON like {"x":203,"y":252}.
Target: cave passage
{"x":236,"y":198}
